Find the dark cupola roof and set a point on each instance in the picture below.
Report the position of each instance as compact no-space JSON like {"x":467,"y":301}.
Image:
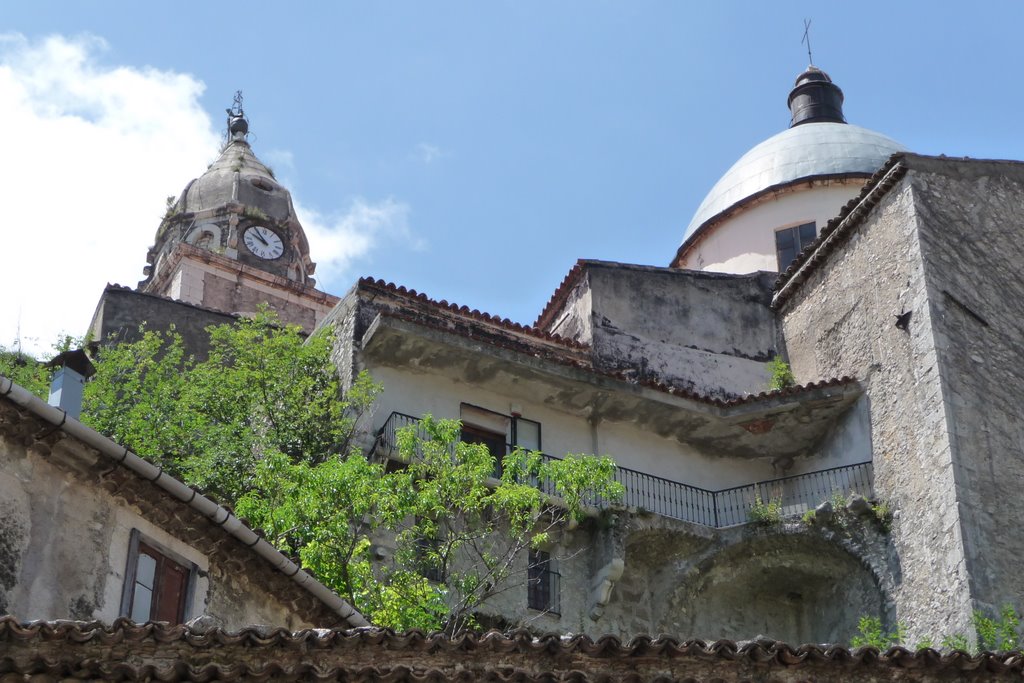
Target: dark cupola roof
{"x":815,"y":99}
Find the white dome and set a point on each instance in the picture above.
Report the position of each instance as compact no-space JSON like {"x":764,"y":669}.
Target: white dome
{"x":805,"y":151}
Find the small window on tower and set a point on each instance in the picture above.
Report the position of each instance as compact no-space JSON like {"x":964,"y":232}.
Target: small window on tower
{"x":789,"y":242}
{"x":156,"y":586}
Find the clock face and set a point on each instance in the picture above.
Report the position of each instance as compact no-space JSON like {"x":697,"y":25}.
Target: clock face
{"x":263,"y":242}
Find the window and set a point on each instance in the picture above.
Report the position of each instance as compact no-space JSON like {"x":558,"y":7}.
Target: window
{"x":499,"y":432}
{"x":789,"y":242}
{"x":525,"y":433}
{"x":157,"y":587}
{"x":494,"y":441}
{"x":487,"y":427}
{"x":542,"y":582}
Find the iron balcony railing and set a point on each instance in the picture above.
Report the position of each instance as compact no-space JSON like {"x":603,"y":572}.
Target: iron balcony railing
{"x":722,"y":508}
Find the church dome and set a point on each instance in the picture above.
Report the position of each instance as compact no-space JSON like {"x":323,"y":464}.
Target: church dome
{"x":803,"y":152}
{"x":238,"y":176}
{"x":797,"y":179}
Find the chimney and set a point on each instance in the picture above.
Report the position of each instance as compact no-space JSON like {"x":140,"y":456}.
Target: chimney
{"x":73,"y":368}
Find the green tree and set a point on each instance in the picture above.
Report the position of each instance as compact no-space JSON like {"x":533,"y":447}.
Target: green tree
{"x":264,"y":390}
{"x":25,"y":370}
{"x":263,"y":426}
{"x":444,"y":514}
{"x":30,"y":372}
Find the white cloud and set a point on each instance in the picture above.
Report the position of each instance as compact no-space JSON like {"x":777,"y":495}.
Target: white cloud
{"x":89,"y":154}
{"x":428,"y":153}
{"x":337,"y":241}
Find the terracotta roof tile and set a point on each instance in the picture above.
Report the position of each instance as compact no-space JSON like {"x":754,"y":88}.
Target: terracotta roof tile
{"x":558,"y":297}
{"x":163,"y":652}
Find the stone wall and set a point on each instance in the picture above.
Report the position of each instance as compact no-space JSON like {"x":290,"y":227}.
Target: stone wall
{"x":791,"y":581}
{"x":842,"y":321}
{"x":970,"y":224}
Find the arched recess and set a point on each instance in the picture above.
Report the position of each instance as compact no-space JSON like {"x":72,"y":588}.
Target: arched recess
{"x":798,"y":588}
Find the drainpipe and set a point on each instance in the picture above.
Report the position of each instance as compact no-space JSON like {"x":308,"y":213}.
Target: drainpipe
{"x":73,"y":368}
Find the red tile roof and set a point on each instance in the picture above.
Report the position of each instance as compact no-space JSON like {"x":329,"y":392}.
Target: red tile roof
{"x":127,"y":651}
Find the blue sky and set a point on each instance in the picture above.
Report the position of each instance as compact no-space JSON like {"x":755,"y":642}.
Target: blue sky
{"x":470,"y":150}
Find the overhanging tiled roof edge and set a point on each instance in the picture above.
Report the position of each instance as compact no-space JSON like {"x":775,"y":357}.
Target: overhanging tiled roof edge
{"x":165,"y":652}
{"x":837,"y":229}
{"x":559,"y":295}
{"x":573,"y":360}
{"x":121,"y":456}
{"x":474,"y":314}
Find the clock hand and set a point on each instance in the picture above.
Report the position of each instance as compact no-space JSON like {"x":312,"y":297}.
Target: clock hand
{"x":261,"y":238}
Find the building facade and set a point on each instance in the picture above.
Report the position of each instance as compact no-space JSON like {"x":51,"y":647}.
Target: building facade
{"x":881,"y":480}
{"x":89,"y":531}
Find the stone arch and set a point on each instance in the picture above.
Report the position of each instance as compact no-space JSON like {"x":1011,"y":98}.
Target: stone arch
{"x":795,"y":587}
{"x":205,"y":236}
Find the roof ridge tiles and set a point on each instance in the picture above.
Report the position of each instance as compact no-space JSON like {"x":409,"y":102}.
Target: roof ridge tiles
{"x":560,"y":293}
{"x":856,"y":209}
{"x":253,"y":639}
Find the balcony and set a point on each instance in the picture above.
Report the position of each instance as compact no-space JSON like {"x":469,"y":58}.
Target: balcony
{"x":719,"y":509}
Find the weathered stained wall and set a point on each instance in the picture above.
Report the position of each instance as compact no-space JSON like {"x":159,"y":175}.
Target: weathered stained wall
{"x":703,"y":332}
{"x":121,"y":311}
{"x":789,"y":581}
{"x":971,"y":224}
{"x":66,"y":513}
{"x":841,"y":321}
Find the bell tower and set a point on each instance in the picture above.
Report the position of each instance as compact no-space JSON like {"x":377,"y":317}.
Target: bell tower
{"x":232,"y":241}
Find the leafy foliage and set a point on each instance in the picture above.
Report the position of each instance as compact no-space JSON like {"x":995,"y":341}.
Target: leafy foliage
{"x":25,"y":370}
{"x":765,"y":513}
{"x":883,"y":515}
{"x":31,"y":373}
{"x":780,"y":375}
{"x":264,"y":390}
{"x":456,"y":536}
{"x":999,"y":634}
{"x":262,"y":425}
{"x":870,"y":633}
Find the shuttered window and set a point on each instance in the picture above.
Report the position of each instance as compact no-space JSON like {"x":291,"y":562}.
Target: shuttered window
{"x":157,"y":587}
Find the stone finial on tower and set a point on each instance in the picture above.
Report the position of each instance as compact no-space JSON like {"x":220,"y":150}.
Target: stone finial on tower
{"x":238,"y":125}
{"x":815,"y":99}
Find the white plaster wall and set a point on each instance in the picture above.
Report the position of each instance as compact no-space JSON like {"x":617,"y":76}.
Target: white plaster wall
{"x":645,"y":452}
{"x":848,"y":443}
{"x":745,"y":242}
{"x":419,"y":393}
